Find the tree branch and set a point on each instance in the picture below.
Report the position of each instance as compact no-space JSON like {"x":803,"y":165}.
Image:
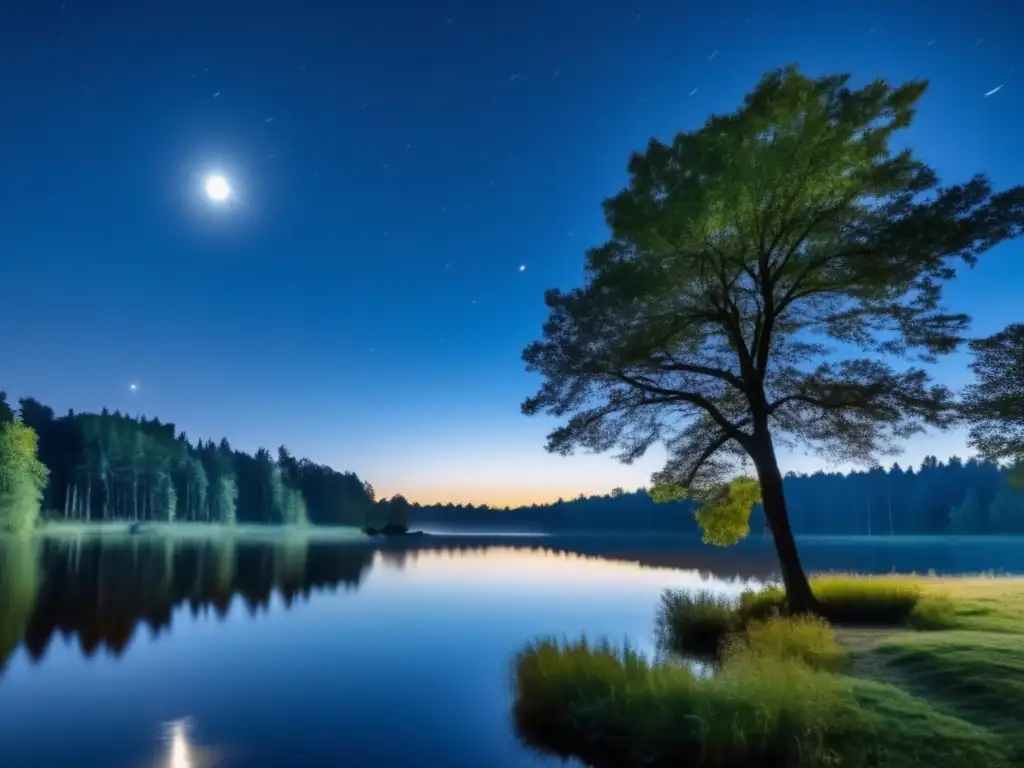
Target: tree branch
{"x":702,"y":370}
{"x":685,"y":397}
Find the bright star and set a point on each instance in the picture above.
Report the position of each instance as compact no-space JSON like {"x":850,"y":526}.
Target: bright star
{"x":133,"y":387}
{"x":217,"y":188}
{"x":522,"y":267}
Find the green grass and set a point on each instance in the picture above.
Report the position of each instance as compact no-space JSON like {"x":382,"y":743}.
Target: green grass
{"x":612,"y":708}
{"x":808,"y":639}
{"x":792,"y":691}
{"x":846,"y":599}
{"x":695,"y":623}
{"x":698,"y":623}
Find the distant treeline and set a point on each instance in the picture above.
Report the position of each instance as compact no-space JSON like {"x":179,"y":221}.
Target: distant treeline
{"x":938,"y":498}
{"x":110,"y":466}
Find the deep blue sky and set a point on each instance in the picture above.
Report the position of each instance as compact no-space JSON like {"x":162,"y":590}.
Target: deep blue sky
{"x":395,"y":162}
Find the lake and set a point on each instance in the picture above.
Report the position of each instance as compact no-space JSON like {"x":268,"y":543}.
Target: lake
{"x":134,"y":651}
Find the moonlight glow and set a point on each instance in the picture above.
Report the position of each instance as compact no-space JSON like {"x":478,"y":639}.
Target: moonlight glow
{"x":217,"y":188}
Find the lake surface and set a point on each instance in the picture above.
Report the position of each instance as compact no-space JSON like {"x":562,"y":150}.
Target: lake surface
{"x":149,"y":652}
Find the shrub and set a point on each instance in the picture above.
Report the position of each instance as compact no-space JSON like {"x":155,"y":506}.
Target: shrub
{"x":844,"y":600}
{"x":805,"y":638}
{"x":695,"y":623}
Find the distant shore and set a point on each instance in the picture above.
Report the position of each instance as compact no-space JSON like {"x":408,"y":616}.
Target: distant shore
{"x":193,"y":531}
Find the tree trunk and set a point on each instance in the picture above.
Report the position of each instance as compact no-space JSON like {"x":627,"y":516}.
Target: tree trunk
{"x":67,"y":500}
{"x":799,"y":596}
{"x":892,"y":531}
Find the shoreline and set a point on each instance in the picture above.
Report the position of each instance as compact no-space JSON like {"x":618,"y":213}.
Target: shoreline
{"x":194,"y":531}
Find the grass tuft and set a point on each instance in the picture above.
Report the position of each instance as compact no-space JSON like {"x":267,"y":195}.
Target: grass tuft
{"x":695,"y":623}
{"x":808,"y":639}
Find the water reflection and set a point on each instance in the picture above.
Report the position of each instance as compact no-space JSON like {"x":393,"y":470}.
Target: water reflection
{"x":180,"y":755}
{"x":101,"y":590}
{"x":415,"y":664}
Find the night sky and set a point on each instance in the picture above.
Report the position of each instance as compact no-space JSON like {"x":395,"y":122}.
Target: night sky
{"x":395,"y":165}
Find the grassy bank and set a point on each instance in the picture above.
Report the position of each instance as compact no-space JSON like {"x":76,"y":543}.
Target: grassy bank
{"x":201,"y":531}
{"x":911,"y":672}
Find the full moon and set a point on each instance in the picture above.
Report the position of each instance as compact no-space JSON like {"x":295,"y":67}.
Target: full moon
{"x":217,"y":188}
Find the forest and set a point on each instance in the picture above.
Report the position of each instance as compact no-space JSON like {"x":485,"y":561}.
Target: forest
{"x":938,"y":498}
{"x":114,"y":467}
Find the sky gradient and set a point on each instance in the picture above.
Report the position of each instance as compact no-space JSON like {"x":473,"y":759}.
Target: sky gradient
{"x":394,"y":164}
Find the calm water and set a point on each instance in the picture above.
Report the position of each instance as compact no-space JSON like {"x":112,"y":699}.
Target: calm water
{"x":146,"y":653}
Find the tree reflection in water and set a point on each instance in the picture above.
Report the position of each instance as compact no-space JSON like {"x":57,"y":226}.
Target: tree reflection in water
{"x":100,"y":589}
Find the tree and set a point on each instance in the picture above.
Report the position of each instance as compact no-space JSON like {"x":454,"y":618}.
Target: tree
{"x":994,"y":405}
{"x":746,"y":259}
{"x":1006,"y":512}
{"x":6,"y":414}
{"x":398,"y":517}
{"x":22,"y":477}
{"x":969,"y":517}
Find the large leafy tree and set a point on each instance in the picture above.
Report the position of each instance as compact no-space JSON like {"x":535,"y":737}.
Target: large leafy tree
{"x":22,"y":477}
{"x":770,"y":277}
{"x":994,"y":404}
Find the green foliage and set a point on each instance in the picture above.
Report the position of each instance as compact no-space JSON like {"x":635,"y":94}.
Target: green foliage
{"x":610,"y":707}
{"x":725,"y":516}
{"x":886,"y":601}
{"x":695,"y":623}
{"x":22,"y":477}
{"x":809,"y":639}
{"x":111,"y":466}
{"x":994,"y":404}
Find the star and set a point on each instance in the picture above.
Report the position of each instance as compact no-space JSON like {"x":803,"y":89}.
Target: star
{"x":269,"y":120}
{"x":713,"y":54}
{"x":997,"y":89}
{"x":216,"y":95}
{"x":693,"y":92}
{"x":133,"y":387}
{"x":522,"y":267}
